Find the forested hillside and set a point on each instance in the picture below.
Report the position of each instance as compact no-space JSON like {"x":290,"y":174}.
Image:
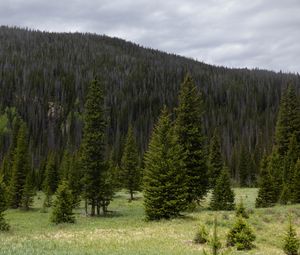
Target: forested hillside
{"x":44,"y":78}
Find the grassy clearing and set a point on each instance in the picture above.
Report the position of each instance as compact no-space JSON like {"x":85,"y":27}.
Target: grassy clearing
{"x":126,"y":232}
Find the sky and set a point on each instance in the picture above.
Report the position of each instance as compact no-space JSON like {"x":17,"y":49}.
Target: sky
{"x":261,"y":34}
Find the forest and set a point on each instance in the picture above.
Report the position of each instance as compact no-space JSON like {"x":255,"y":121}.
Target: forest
{"x":87,"y":120}
{"x":44,"y":78}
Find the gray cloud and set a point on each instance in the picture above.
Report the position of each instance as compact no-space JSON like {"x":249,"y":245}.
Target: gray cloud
{"x":235,"y":33}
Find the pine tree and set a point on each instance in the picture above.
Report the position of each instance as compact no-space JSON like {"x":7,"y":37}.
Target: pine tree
{"x":241,"y":235}
{"x":28,"y":192}
{"x":275,"y":168}
{"x":288,"y":120}
{"x":63,"y":205}
{"x":244,"y":167}
{"x":240,"y":210}
{"x":291,"y":243}
{"x":296,"y":184}
{"x":222,"y":195}
{"x":215,"y":242}
{"x":3,"y":206}
{"x":93,"y":146}
{"x":51,"y":176}
{"x":286,"y":195}
{"x":189,"y":129}
{"x":215,"y":161}
{"x":165,"y":188}
{"x":20,"y":169}
{"x":130,"y":164}
{"x":74,"y":178}
{"x":266,"y":196}
{"x":65,"y":164}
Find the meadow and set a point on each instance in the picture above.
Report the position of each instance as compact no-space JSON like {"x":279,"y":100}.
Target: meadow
{"x":125,"y":230}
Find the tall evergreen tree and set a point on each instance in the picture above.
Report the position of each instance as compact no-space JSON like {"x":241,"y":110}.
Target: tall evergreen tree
{"x":222,"y":195}
{"x":93,"y":146}
{"x":3,"y":206}
{"x":20,"y":169}
{"x":51,"y":175}
{"x":288,"y":120}
{"x":215,"y":161}
{"x":244,"y":167}
{"x":63,"y":205}
{"x":189,"y":129}
{"x":296,"y":184}
{"x":165,"y":186}
{"x":28,"y":191}
{"x":130,"y":164}
{"x":266,"y":196}
{"x":65,"y":165}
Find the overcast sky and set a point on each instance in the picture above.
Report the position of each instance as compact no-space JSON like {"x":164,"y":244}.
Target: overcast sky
{"x":234,"y":33}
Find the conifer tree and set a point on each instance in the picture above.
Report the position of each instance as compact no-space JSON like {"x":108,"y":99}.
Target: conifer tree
{"x":130,"y":164}
{"x":165,"y":188}
{"x":28,"y":192}
{"x":241,"y":235}
{"x":20,"y":169}
{"x":296,"y":184}
{"x":215,"y":161}
{"x":74,"y":178}
{"x":222,"y":195}
{"x":275,"y":168}
{"x":240,"y":210}
{"x":266,"y":196}
{"x":65,"y":164}
{"x":93,"y":144}
{"x":215,"y":242}
{"x":3,"y":206}
{"x":63,"y":205}
{"x":288,"y":120}
{"x":291,"y":243}
{"x":51,"y":175}
{"x":244,"y":167}
{"x":189,"y":129}
{"x":8,"y":159}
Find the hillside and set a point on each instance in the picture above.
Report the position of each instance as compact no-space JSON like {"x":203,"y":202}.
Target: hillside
{"x":45,"y":77}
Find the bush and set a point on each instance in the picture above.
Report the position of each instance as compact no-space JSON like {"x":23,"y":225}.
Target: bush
{"x":3,"y":206}
{"x":241,"y":235}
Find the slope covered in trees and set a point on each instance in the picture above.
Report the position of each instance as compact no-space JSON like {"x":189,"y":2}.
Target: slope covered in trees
{"x":44,"y":77}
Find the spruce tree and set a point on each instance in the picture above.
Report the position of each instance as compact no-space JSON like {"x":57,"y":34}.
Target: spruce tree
{"x":241,"y":235}
{"x":189,"y":130}
{"x":63,"y":205}
{"x":291,"y":243}
{"x":215,"y":161}
{"x":20,"y":169}
{"x":240,"y":210}
{"x":244,"y":167}
{"x":296,"y":184}
{"x":130,"y":164}
{"x":222,"y":195}
{"x":74,"y":178}
{"x":165,"y":186}
{"x":28,"y":192}
{"x":288,"y":120}
{"x":65,"y":164}
{"x":51,"y":175}
{"x":3,"y":206}
{"x":93,"y":144}
{"x":266,"y":196}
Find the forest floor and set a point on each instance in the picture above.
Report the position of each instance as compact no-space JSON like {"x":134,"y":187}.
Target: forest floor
{"x":125,"y":231}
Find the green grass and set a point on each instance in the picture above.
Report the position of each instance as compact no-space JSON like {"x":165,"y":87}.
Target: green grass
{"x":126,"y":231}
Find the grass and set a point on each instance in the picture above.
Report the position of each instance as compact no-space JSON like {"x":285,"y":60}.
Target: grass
{"x":126,"y":231}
